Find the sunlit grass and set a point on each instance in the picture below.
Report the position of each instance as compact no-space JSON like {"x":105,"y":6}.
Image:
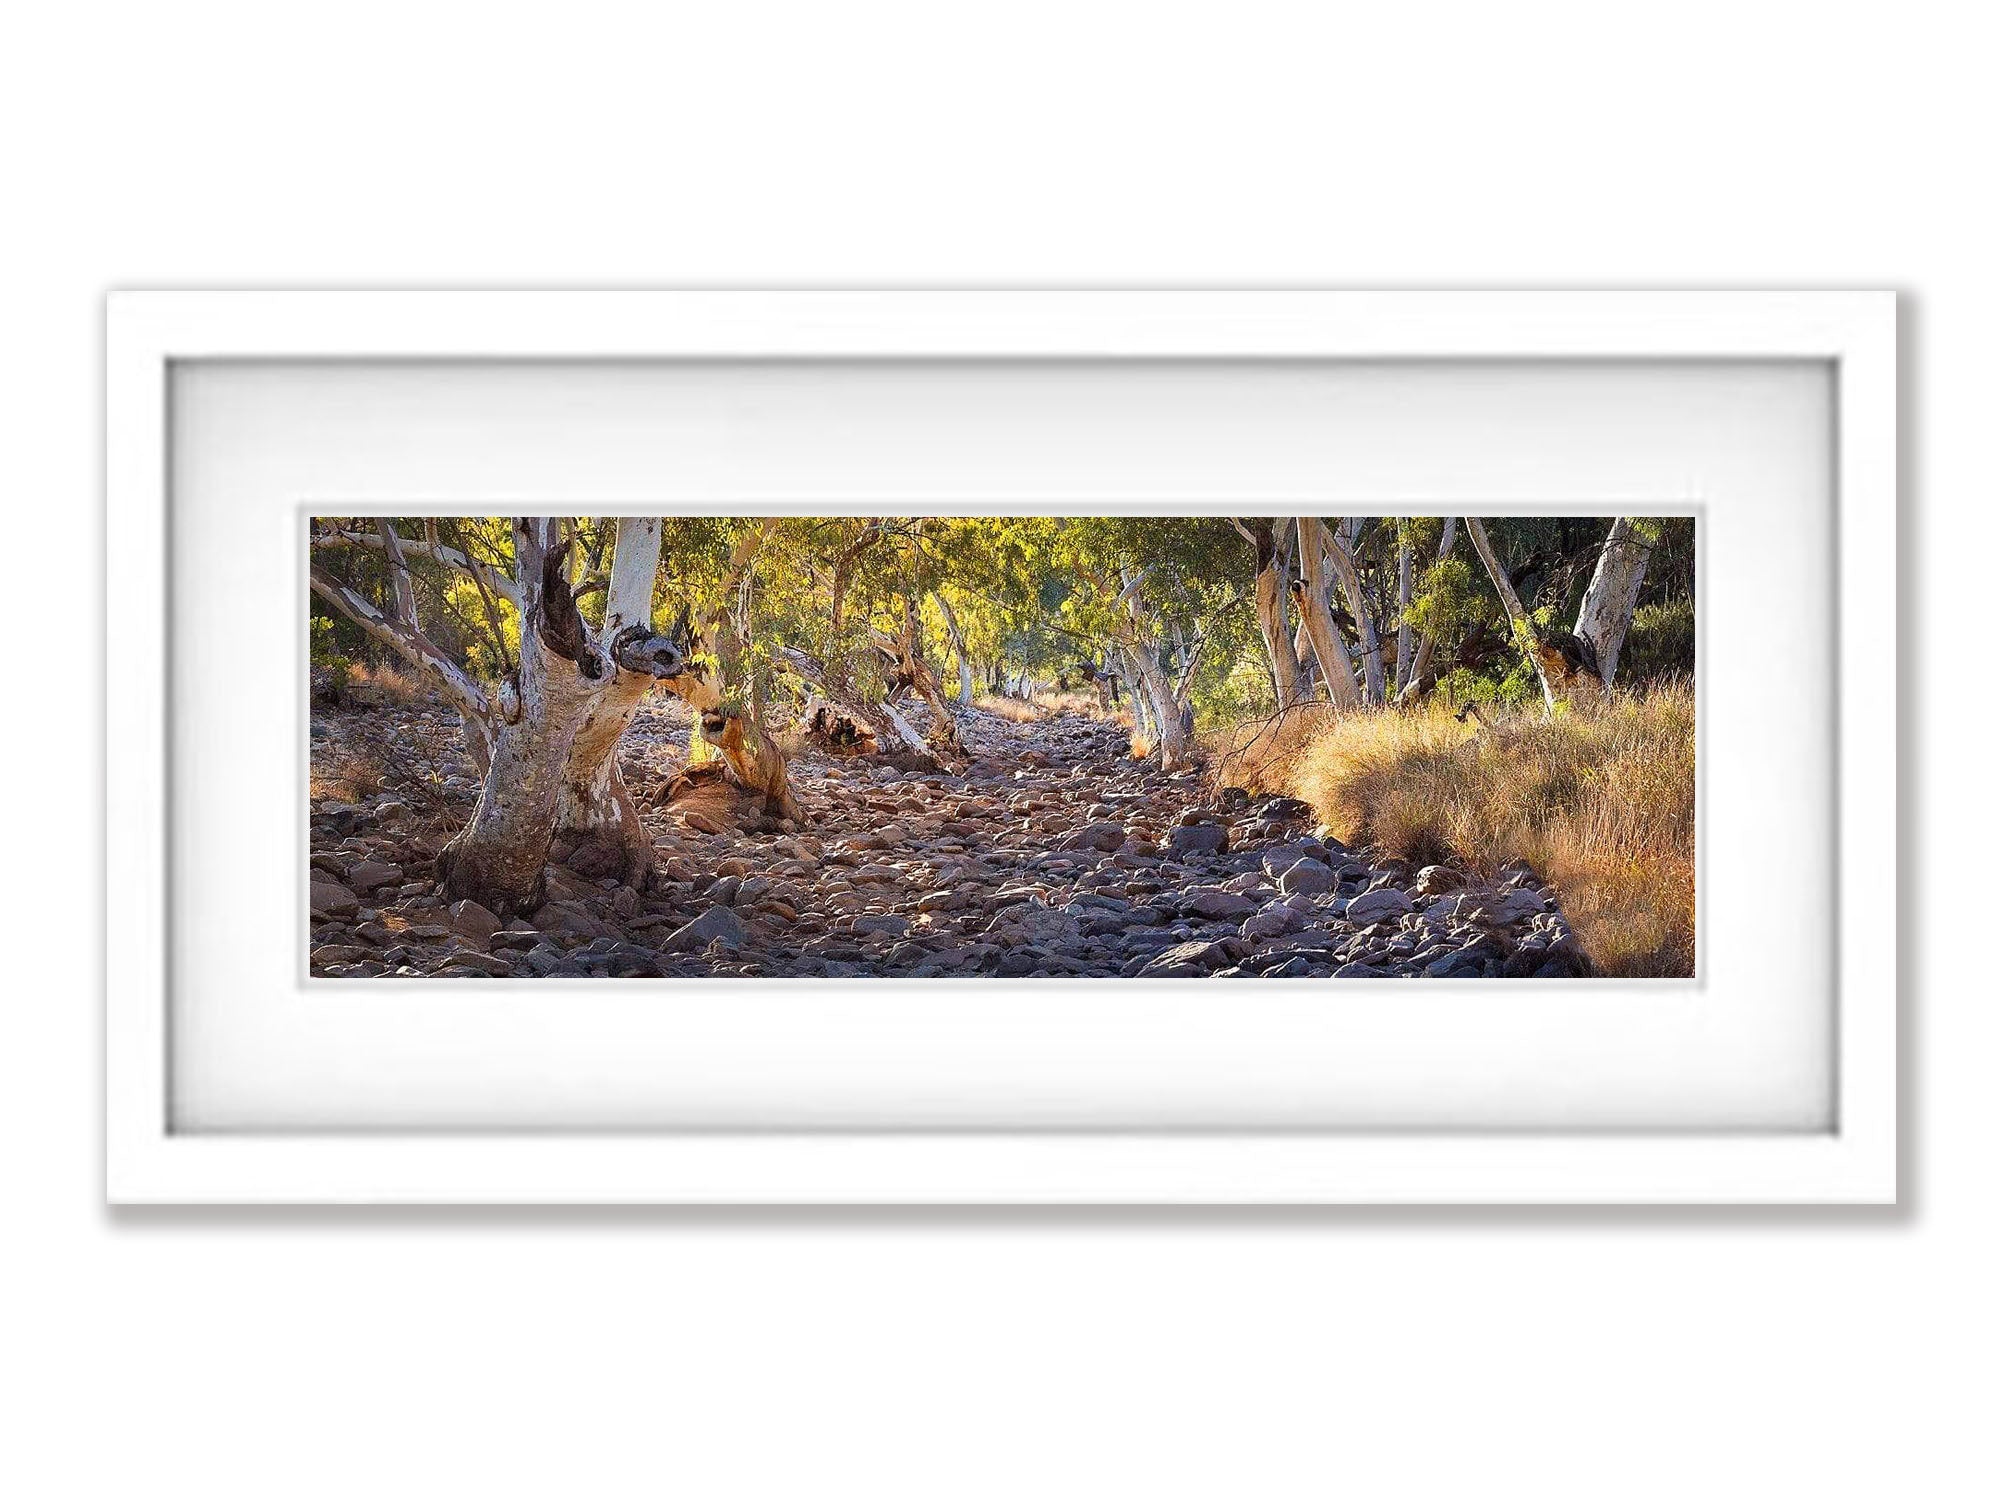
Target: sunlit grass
{"x":1600,"y":801}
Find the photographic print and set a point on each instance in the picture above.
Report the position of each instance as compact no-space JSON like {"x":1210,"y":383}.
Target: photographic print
{"x":945,"y":747}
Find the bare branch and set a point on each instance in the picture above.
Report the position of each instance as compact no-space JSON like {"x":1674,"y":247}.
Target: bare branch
{"x":399,"y":573}
{"x":406,"y":641}
{"x":482,"y":573}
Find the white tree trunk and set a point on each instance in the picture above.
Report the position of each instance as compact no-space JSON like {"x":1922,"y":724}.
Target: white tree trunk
{"x":1142,"y":711}
{"x":535,"y":775}
{"x":1606,"y":613}
{"x":1517,"y":618}
{"x":1340,"y":553}
{"x":1403,"y":594}
{"x":958,"y":649}
{"x":498,"y":859}
{"x":594,"y":804}
{"x":878,"y":724}
{"x":1427,"y":644}
{"x":1335,"y":669}
{"x":1170,"y":736}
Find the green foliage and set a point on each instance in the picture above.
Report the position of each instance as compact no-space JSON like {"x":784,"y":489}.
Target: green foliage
{"x":1044,"y":596}
{"x":1660,"y":643}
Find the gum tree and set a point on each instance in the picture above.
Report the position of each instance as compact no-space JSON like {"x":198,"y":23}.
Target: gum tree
{"x":546,"y":730}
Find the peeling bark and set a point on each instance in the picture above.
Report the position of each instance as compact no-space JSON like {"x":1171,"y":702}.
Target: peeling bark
{"x":1335,"y":669}
{"x":1267,"y":539}
{"x":1170,"y":731}
{"x":595,"y":804}
{"x":498,"y":859}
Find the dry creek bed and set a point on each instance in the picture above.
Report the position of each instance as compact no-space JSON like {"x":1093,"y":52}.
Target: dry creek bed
{"x":1052,"y":853}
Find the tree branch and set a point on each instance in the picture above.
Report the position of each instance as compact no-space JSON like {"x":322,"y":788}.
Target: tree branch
{"x":406,"y":641}
{"x":485,"y":574}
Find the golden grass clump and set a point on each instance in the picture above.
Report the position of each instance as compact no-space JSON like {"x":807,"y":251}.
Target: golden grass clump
{"x":1069,"y":703}
{"x":391,"y":682}
{"x":1017,"y":710}
{"x":1600,"y":801}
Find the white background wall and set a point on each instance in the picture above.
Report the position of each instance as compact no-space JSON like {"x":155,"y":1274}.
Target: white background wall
{"x":1445,"y":1353}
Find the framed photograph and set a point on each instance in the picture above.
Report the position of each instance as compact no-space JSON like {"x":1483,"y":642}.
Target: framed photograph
{"x":1012,"y":747}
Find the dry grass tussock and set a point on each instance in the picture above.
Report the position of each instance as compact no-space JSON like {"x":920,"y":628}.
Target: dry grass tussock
{"x":1043,"y":705}
{"x":1018,"y":710}
{"x":1600,"y":801}
{"x":384,"y":683}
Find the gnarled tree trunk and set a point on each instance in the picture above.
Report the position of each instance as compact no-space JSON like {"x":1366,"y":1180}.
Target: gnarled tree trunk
{"x":593,"y":803}
{"x":498,"y":858}
{"x":1139,"y":640}
{"x":546,"y":737}
{"x":944,"y":722}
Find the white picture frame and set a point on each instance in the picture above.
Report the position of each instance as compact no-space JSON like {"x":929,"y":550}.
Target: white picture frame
{"x":1850,"y":1156}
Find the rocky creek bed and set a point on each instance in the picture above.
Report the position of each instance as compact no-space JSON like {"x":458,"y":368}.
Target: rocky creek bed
{"x":1051,"y":853}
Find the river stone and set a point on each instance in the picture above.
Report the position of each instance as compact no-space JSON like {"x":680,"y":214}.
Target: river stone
{"x":716,"y":924}
{"x":1297,"y":967}
{"x":1286,"y":809}
{"x":1307,"y":877}
{"x":1378,"y":905}
{"x":1435,"y":880}
{"x":474,"y":922}
{"x":1185,"y":960}
{"x":1103,"y":837}
{"x":1220,"y":905}
{"x":1274,"y":921}
{"x":329,"y":898}
{"x":370,"y":873}
{"x":1520,"y":905}
{"x":887,"y":924}
{"x":1199,"y":838}
{"x":481,"y":963}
